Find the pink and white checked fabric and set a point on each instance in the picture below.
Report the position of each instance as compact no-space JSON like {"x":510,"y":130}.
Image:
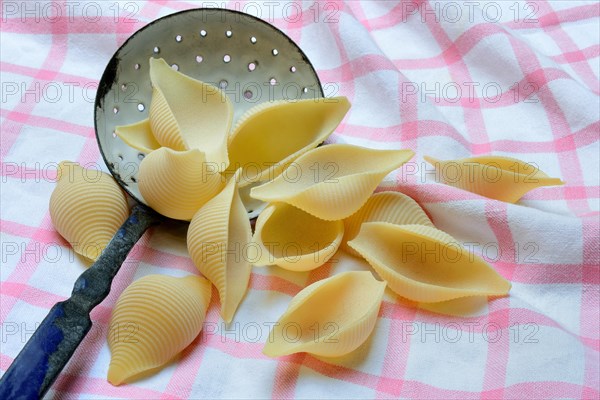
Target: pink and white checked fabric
{"x":447,"y":79}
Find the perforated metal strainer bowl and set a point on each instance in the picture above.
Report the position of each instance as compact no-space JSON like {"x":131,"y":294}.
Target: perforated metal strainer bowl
{"x":249,"y":59}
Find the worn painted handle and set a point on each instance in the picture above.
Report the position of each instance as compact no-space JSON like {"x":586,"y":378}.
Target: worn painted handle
{"x":53,"y":343}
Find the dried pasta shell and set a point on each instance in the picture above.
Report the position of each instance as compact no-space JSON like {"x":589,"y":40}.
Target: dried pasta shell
{"x":294,"y":240}
{"x":393,"y":207}
{"x":501,"y":178}
{"x":279,"y":132}
{"x":332,"y":182}
{"x":155,"y":318}
{"x":425,"y":264}
{"x":87,"y":208}
{"x":189,"y":114}
{"x":163,"y":124}
{"x":217,"y":240}
{"x":138,"y":135}
{"x":329,"y":318}
{"x":177,"y":183}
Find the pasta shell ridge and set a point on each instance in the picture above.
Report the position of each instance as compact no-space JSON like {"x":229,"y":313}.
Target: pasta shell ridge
{"x":87,"y":208}
{"x":162,"y":122}
{"x":393,"y":207}
{"x":424,"y":264}
{"x":217,"y":239}
{"x":333,"y":316}
{"x":177,"y":183}
{"x":155,"y":318}
{"x":353,"y":173}
{"x":295,"y":240}
{"x":202,"y":113}
{"x":500,"y":178}
{"x":279,"y":132}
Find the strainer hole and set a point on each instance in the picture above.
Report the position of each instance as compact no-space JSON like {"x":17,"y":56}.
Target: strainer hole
{"x":275,"y":52}
{"x":226,"y":58}
{"x":273,"y":81}
{"x":228,"y":33}
{"x":175,"y":67}
{"x":305,"y":90}
{"x":114,"y":134}
{"x":123,"y":87}
{"x":141,"y":107}
{"x":252,"y":66}
{"x":223,"y":84}
{"x":115,"y":110}
{"x":203,"y":33}
{"x":156,"y":50}
{"x":120,"y":157}
{"x":178,"y":38}
{"x":248,"y":94}
{"x":199,"y":59}
{"x":292,"y":69}
{"x":250,"y":211}
{"x":141,"y":156}
{"x":133,"y":179}
{"x":136,"y":66}
{"x":252,"y":40}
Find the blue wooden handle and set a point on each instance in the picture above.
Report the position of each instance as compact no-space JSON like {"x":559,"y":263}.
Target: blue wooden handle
{"x":53,"y":343}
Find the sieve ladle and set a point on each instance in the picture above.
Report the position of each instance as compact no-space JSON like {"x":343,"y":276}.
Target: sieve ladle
{"x":251,"y":60}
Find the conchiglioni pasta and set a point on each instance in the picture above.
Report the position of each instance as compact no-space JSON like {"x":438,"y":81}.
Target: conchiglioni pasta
{"x":392,"y":207}
{"x":332,"y":182}
{"x":279,"y":132}
{"x":154,"y":319}
{"x":177,"y":183}
{"x":138,"y":135}
{"x":217,"y":241}
{"x":425,"y":264}
{"x":501,"y":178}
{"x":87,"y":208}
{"x":329,"y":318}
{"x":293,"y":239}
{"x":189,"y":114}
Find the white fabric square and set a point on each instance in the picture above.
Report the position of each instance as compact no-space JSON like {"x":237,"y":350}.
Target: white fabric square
{"x":313,"y":385}
{"x":544,"y":237}
{"x":57,"y":269}
{"x":79,"y":52}
{"x":377,"y":9}
{"x":448,"y":216}
{"x":576,"y":103}
{"x":11,"y":251}
{"x":535,"y":356}
{"x":43,"y":148}
{"x":25,"y":50}
{"x":36,"y":191}
{"x":591,"y":169}
{"x":375,"y":102}
{"x":437,"y":349}
{"x":416,"y":40}
{"x":495,"y":70}
{"x":17,"y":90}
{"x":238,"y":378}
{"x":326,"y":56}
{"x":560,"y":302}
{"x":528,"y":120}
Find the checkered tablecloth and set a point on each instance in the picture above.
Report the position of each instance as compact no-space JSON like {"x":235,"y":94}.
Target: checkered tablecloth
{"x":447,"y":79}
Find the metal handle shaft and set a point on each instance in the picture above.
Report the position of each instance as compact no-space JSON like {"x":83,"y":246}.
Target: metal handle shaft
{"x":53,"y":343}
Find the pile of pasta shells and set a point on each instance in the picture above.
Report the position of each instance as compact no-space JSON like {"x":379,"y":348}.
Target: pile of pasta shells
{"x":319,"y":200}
